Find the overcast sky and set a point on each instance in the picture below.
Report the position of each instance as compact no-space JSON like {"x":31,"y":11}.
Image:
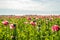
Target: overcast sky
{"x":29,"y":6}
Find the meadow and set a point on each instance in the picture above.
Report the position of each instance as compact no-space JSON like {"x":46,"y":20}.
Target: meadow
{"x":30,"y":27}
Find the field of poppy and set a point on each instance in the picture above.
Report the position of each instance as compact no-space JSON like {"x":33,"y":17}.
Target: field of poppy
{"x":30,"y":27}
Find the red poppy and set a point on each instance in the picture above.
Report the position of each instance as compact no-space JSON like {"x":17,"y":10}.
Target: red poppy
{"x":28,"y":18}
{"x":33,"y":23}
{"x":5,"y":22}
{"x":12,"y":26}
{"x":55,"y":28}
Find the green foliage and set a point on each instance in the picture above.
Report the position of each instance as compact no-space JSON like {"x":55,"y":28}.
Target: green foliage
{"x":42,"y":31}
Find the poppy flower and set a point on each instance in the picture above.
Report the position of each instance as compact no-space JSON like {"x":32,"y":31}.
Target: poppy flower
{"x":9,"y":16}
{"x":28,"y":18}
{"x":37,"y":18}
{"x":12,"y":26}
{"x":5,"y":22}
{"x":17,"y":16}
{"x":51,"y":19}
{"x":33,"y":23}
{"x":55,"y":28}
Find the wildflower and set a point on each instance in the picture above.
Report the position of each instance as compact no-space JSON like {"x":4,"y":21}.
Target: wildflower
{"x":17,"y":16}
{"x":5,"y":22}
{"x":9,"y":16}
{"x":33,"y":23}
{"x":55,"y":28}
{"x":51,"y":19}
{"x":37,"y":18}
{"x":12,"y":26}
{"x":28,"y":18}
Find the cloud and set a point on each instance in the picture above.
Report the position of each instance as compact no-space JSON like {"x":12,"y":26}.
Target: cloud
{"x":50,"y":5}
{"x":22,"y":5}
{"x":33,"y":5}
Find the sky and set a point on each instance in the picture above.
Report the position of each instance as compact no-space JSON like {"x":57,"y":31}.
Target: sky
{"x":27,"y":7}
